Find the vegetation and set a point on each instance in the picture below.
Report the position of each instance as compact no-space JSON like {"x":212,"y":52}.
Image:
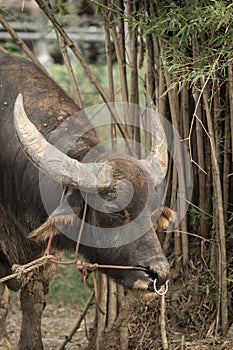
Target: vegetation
{"x":180,"y":52}
{"x":67,"y":286}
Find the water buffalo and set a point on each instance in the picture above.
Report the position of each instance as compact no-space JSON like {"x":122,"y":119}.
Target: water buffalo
{"x":24,"y":149}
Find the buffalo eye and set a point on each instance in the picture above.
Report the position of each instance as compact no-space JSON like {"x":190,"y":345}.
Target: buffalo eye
{"x":114,"y":210}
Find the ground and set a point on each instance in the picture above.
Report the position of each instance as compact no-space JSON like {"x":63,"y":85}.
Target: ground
{"x":59,"y":320}
{"x":190,"y":316}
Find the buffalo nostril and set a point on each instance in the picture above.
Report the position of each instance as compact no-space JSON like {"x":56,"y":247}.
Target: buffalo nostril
{"x":161,"y":275}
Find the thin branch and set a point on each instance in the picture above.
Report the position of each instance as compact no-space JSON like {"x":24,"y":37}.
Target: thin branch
{"x":121,"y":63}
{"x":78,"y":323}
{"x":87,"y":69}
{"x":2,"y":49}
{"x":76,"y":92}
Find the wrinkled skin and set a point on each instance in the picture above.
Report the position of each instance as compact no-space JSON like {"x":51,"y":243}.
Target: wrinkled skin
{"x":22,"y":210}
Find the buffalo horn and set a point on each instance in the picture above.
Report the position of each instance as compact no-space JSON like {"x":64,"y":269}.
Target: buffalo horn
{"x":53,"y":162}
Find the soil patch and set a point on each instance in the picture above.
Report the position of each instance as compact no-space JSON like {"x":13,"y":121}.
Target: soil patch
{"x":141,"y":320}
{"x":57,"y":323}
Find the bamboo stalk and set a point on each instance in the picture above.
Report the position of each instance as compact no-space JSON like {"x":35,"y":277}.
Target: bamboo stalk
{"x":150,"y":87}
{"x":133,"y":64}
{"x":134,"y":129}
{"x":74,"y":85}
{"x":117,"y":39}
{"x":220,"y":229}
{"x":230,"y":82}
{"x":150,"y":63}
{"x":201,"y":162}
{"x":174,"y":110}
{"x":108,"y":48}
{"x":184,"y":131}
{"x":162,"y":99}
{"x":216,"y":120}
{"x":124,"y":333}
{"x":112,"y":302}
{"x":226,"y":165}
{"x":123,"y":48}
{"x":87,"y":69}
{"x":103,"y":306}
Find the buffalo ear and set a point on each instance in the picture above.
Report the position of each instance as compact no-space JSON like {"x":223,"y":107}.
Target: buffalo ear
{"x":162,"y":217}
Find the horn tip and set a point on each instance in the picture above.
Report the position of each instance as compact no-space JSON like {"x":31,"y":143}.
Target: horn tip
{"x":19,"y":98}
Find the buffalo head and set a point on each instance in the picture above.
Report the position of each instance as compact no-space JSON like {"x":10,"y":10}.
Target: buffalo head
{"x":120,"y":214}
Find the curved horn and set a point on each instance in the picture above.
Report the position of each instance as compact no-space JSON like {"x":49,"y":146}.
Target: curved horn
{"x":51,"y":161}
{"x":157,"y":160}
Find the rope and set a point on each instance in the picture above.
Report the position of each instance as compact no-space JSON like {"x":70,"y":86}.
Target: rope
{"x":23,"y":269}
{"x":84,"y":268}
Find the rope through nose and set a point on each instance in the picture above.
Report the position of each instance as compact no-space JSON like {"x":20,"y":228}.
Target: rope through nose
{"x":158,"y":291}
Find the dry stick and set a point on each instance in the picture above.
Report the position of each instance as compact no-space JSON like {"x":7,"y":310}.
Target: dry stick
{"x":162,"y":96}
{"x":108,"y":48}
{"x":133,"y":64}
{"x":184,"y":122}
{"x":162,"y":109}
{"x":20,"y":42}
{"x":230,"y":82}
{"x":163,"y":323}
{"x":122,"y":72}
{"x":169,"y":234}
{"x":201,"y":151}
{"x":156,"y":70}
{"x":112,"y":302}
{"x":122,"y":50}
{"x":150,"y":82}
{"x":111,"y":285}
{"x":121,"y":64}
{"x":216,"y":117}
{"x":174,"y":110}
{"x":133,"y":86}
{"x":201,"y":162}
{"x":113,"y":6}
{"x":78,"y":323}
{"x":2,"y":49}
{"x":74,"y":85}
{"x":103,"y":305}
{"x":197,"y":98}
{"x":124,"y":333}
{"x":226,"y":164}
{"x":219,"y":207}
{"x":124,"y":338}
{"x":119,"y":44}
{"x":87,"y":69}
{"x":150,"y":63}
